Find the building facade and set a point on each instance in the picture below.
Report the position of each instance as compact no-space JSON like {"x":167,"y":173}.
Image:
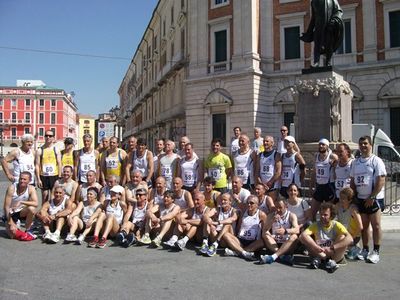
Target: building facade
{"x":245,"y":55}
{"x":27,"y":108}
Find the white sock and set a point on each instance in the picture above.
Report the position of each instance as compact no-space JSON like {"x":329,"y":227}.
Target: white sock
{"x":205,"y":241}
{"x":185,"y":239}
{"x":174,"y":237}
{"x":57,"y":232}
{"x":274,"y":256}
{"x":215,"y":244}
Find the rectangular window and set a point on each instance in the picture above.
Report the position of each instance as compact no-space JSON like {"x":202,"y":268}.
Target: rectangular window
{"x":1,"y":117}
{"x":54,"y":130}
{"x":13,"y":133}
{"x":172,"y":51}
{"x":41,"y":131}
{"x":182,"y":4}
{"x":395,"y":125}
{"x":221,"y":46}
{"x":27,"y":117}
{"x":41,"y":118}
{"x":1,"y":102}
{"x":183,"y":41}
{"x":14,"y":117}
{"x":218,"y":2}
{"x":26,"y":130}
{"x":219,"y":127}
{"x":164,"y":28}
{"x":345,"y":47}
{"x":41,"y":102}
{"x":13,"y":102}
{"x":292,"y":42}
{"x":53,"y":102}
{"x":52,"y":118}
{"x":172,"y":15}
{"x":394,"y":28}
{"x":288,"y":118}
{"x":27,"y":102}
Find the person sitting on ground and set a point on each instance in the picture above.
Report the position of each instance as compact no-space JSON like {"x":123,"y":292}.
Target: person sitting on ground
{"x":217,"y":222}
{"x":249,"y":224}
{"x":280,"y":234}
{"x":182,"y":197}
{"x":20,"y":203}
{"x":299,"y":206}
{"x":348,"y":215}
{"x":54,"y":214}
{"x":157,"y":194}
{"x":83,"y":218}
{"x":266,"y":202}
{"x":69,"y":185}
{"x":210,"y":194}
{"x":239,"y":193}
{"x":132,"y":229}
{"x":109,"y":218}
{"x":105,"y":193}
{"x":135,"y":183}
{"x":161,"y":225}
{"x":189,"y":224}
{"x":81,"y":192}
{"x":326,"y":240}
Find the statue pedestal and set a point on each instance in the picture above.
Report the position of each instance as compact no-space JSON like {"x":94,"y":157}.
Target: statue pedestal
{"x":323,"y":107}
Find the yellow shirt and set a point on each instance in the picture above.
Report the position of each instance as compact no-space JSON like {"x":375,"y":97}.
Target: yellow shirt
{"x":213,"y":199}
{"x":325,"y":236}
{"x":114,"y":164}
{"x":49,"y":162}
{"x":217,"y":166}
{"x":67,"y":159}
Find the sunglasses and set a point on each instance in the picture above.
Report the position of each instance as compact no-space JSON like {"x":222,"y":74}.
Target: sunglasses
{"x":47,"y":135}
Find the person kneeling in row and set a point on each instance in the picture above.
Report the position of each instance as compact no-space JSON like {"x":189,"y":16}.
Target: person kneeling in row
{"x":217,"y":222}
{"x":54,"y":213}
{"x":326,"y":240}
{"x":280,"y":234}
{"x":109,"y":217}
{"x":189,"y":223}
{"x":83,"y":218}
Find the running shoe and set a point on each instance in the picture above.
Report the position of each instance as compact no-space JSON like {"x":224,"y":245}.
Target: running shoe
{"x":46,"y":236}
{"x":55,"y":238}
{"x":331,"y":266}
{"x":80,"y":240}
{"x":180,"y":244}
{"x":287,"y":259}
{"x":266,"y":259}
{"x":362,"y":255}
{"x":70,"y":238}
{"x":30,"y":232}
{"x":229,"y":252}
{"x":120,"y":238}
{"x":93,"y":242}
{"x":156,"y":242}
{"x":102,"y":243}
{"x":373,"y":257}
{"x":171,"y":242}
{"x":315,"y":263}
{"x":130,"y":240}
{"x":211,"y":250}
{"x":249,"y":256}
{"x":145,"y":240}
{"x":353,"y":253}
{"x":203,"y":248}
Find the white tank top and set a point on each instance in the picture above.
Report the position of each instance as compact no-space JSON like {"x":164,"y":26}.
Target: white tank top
{"x":243,"y":165}
{"x":223,"y":216}
{"x":18,"y":197}
{"x":250,"y":228}
{"x":67,"y":186}
{"x":283,"y":222}
{"x":167,"y":168}
{"x":140,"y":163}
{"x":138,"y":215}
{"x":116,"y":211}
{"x":181,"y":201}
{"x":158,"y":199}
{"x":53,"y":209}
{"x":25,"y":162}
{"x":342,"y":177}
{"x":189,"y":170}
{"x":87,"y":162}
{"x":88,"y":211}
{"x":290,"y":170}
{"x":263,"y":206}
{"x":166,"y":211}
{"x":198,"y":215}
{"x":267,"y":166}
{"x":323,"y":169}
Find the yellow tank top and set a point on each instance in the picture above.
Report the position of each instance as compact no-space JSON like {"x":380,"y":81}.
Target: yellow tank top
{"x":212,"y":201}
{"x":114,"y":164}
{"x":49,"y":162}
{"x":67,"y":159}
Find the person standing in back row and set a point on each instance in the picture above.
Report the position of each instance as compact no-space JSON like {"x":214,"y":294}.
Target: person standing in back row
{"x":86,"y":159}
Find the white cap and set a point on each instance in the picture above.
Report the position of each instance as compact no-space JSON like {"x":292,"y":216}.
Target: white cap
{"x":117,"y":189}
{"x":289,"y":138}
{"x":324,"y":141}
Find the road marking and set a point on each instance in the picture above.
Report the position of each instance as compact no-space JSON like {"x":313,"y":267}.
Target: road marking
{"x":13,"y":291}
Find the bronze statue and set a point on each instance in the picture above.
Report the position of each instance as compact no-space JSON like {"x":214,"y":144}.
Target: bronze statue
{"x":325,"y":29}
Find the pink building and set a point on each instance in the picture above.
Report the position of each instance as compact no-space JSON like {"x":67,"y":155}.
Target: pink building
{"x":35,"y":109}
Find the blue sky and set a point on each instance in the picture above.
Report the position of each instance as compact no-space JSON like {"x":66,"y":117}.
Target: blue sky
{"x":96,"y":27}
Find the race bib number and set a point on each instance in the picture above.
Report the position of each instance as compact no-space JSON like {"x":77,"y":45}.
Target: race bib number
{"x":188,"y":178}
{"x":48,"y":169}
{"x":85,"y":167}
{"x":340,"y":183}
{"x":242,"y":172}
{"x":112,"y":164}
{"x":324,"y":243}
{"x":361,"y":180}
{"x":265,"y":169}
{"x":215,"y":173}
{"x":285,"y":174}
{"x":166,"y":171}
{"x":27,"y":168}
{"x":249,"y":234}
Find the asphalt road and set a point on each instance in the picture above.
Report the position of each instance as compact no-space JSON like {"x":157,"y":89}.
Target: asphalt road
{"x":34,"y":270}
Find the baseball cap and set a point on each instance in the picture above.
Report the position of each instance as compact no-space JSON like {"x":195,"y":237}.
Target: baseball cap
{"x":69,"y":141}
{"x":289,"y":138}
{"x":324,"y":141}
{"x":117,"y":189}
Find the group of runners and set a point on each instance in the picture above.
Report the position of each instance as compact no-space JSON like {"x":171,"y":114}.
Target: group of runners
{"x":247,"y":201}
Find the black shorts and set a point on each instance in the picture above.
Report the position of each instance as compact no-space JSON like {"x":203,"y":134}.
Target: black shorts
{"x":16,"y":216}
{"x":324,"y":192}
{"x":244,"y":242}
{"x":189,"y":188}
{"x":379,"y":204}
{"x":48,"y":182}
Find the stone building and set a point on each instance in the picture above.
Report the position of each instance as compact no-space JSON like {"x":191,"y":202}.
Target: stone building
{"x":239,"y":60}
